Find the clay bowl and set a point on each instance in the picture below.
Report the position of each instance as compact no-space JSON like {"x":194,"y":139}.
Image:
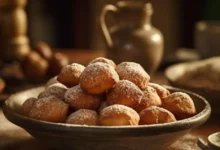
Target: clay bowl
{"x":174,"y":72}
{"x":64,"y":136}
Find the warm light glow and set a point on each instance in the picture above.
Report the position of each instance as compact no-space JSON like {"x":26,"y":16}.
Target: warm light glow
{"x":156,"y":37}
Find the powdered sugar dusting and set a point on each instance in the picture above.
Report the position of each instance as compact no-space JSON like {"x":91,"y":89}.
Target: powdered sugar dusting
{"x":73,"y":69}
{"x":127,"y":89}
{"x":72,"y":93}
{"x":97,"y":72}
{"x":133,"y":72}
{"x":104,"y":60}
{"x":118,"y":109}
{"x":46,"y":100}
{"x":45,"y":107}
{"x":79,"y":99}
{"x":56,"y":89}
{"x":182,"y":101}
{"x":83,"y":117}
{"x":161,"y":91}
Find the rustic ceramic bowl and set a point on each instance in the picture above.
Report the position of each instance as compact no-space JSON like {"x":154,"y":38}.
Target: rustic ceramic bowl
{"x":174,"y":72}
{"x":65,"y":136}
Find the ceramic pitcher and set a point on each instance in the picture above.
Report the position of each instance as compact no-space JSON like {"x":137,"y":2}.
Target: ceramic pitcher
{"x":132,"y":37}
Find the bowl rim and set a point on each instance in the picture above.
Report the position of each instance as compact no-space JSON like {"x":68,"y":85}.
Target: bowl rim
{"x":30,"y":124}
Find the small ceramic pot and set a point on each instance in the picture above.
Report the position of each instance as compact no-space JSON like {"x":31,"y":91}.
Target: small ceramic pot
{"x":213,"y":142}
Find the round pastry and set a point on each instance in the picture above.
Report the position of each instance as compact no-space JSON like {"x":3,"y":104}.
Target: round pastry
{"x":161,"y":91}
{"x":180,"y":104}
{"x":125,"y":93}
{"x":133,"y":72}
{"x":34,"y":66}
{"x":155,"y":115}
{"x":98,"y":78}
{"x":83,"y":117}
{"x":27,"y":106}
{"x":118,"y":115}
{"x":49,"y":109}
{"x":52,"y":81}
{"x":56,"y":89}
{"x":70,"y":74}
{"x":104,"y":60}
{"x":44,"y":50}
{"x":150,"y":98}
{"x":79,"y":99}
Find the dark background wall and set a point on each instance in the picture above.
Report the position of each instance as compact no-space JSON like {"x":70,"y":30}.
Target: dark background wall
{"x":74,"y":23}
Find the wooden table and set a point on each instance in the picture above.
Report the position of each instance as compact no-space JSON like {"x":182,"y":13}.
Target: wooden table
{"x":13,"y":137}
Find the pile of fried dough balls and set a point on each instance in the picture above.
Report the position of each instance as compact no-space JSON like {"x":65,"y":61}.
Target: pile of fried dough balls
{"x":107,"y":95}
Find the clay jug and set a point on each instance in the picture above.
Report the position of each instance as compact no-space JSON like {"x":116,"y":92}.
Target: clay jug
{"x":132,"y":37}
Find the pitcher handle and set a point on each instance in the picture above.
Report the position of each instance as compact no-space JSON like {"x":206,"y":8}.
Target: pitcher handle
{"x":104,"y":28}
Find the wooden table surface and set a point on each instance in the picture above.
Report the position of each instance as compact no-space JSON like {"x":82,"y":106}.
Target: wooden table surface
{"x":13,"y":137}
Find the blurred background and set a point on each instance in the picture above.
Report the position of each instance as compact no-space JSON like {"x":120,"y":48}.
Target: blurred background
{"x":75,"y":23}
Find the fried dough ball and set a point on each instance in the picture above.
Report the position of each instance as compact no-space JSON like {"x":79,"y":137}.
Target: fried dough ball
{"x":50,"y":109}
{"x":150,"y":98}
{"x":98,"y":78}
{"x":70,"y":74}
{"x":56,"y":89}
{"x":104,"y":60}
{"x":27,"y":106}
{"x":118,"y":115}
{"x":180,"y":104}
{"x":44,"y":50}
{"x":155,"y":115}
{"x":133,"y":72}
{"x":79,"y":99}
{"x":83,"y":117}
{"x":125,"y":93}
{"x":161,"y":91}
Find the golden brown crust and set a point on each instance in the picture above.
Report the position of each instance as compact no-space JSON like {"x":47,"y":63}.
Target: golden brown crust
{"x":133,"y":72}
{"x":83,"y":117}
{"x":70,"y":74}
{"x":118,"y":115}
{"x":27,"y":106}
{"x":161,"y":91}
{"x":125,"y":93}
{"x":78,"y":99}
{"x":103,"y":60}
{"x":180,"y":104}
{"x":155,"y":115}
{"x":50,"y":109}
{"x":150,"y":98}
{"x":98,"y":78}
